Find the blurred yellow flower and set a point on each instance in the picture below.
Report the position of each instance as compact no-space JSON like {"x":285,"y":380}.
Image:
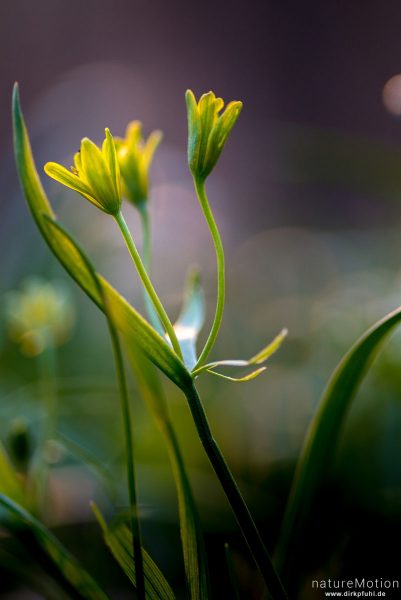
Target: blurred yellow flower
{"x":95,"y":174}
{"x":39,"y":316}
{"x":135,"y":157}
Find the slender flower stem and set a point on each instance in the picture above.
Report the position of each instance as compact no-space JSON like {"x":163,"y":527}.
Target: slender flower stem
{"x":47,"y":363}
{"x":47,"y":372}
{"x":221,"y":286}
{"x":147,"y":262}
{"x":234,"y":496}
{"x":147,"y":283}
{"x":129,"y":449}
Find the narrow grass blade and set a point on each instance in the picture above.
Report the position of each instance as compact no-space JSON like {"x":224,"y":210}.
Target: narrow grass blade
{"x":251,"y":375}
{"x":125,"y":317}
{"x":195,"y":562}
{"x":191,"y":318}
{"x":322,"y":437}
{"x":258,"y":359}
{"x":119,"y":540}
{"x":68,"y":567}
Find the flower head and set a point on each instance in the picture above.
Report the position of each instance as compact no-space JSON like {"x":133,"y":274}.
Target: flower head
{"x":39,"y":316}
{"x":135,"y":157}
{"x":208,"y":130}
{"x":95,"y":174}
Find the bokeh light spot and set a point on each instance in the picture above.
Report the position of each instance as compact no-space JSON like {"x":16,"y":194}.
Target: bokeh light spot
{"x":392,"y":95}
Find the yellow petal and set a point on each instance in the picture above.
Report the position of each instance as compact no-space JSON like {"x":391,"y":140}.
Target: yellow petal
{"x":207,"y":111}
{"x":194,"y":130}
{"x":150,"y":148}
{"x":133,"y":135}
{"x":98,"y":176}
{"x":77,"y":161}
{"x":110,"y":155}
{"x":64,"y":176}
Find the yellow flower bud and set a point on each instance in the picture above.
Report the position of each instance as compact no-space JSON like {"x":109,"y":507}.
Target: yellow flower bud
{"x":208,"y":130}
{"x":135,"y":157}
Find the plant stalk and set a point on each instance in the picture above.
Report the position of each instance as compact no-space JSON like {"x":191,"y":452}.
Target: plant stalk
{"x":129,"y":449}
{"x":47,"y":363}
{"x":234,"y":496}
{"x":220,"y":261}
{"x":147,"y":283}
{"x":47,"y":373}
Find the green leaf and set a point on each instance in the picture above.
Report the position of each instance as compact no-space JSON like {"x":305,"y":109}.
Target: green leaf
{"x":258,"y":359}
{"x":321,"y":440}
{"x":119,"y":540}
{"x":133,"y":326}
{"x":67,"y":566}
{"x":191,"y":319}
{"x":191,"y":536}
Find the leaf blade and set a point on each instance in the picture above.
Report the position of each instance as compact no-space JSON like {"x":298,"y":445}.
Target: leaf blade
{"x":324,"y":432}
{"x":118,"y":539}
{"x":70,"y":569}
{"x":258,"y":359}
{"x":194,"y":553}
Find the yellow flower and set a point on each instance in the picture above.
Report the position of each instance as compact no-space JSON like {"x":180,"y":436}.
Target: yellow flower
{"x":40,"y":316}
{"x":95,"y":174}
{"x":135,"y":157}
{"x":208,"y":130}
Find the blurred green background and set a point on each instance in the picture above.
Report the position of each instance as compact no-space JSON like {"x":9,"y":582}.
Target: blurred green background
{"x":308,"y":198}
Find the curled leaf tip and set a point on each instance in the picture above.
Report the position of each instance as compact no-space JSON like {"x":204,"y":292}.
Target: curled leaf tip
{"x":259,"y":358}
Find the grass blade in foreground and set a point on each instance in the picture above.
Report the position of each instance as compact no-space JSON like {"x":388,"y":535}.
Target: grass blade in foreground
{"x":119,"y":540}
{"x":68,"y":567}
{"x":195,"y":562}
{"x":322,"y":437}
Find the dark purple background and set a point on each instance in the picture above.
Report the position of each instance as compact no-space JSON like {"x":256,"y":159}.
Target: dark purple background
{"x":316,"y":64}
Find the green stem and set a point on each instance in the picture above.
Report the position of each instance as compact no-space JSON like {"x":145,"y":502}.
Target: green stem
{"x":48,"y":376}
{"x":47,"y":371}
{"x":129,"y":448}
{"x":234,"y":496}
{"x":221,"y":286}
{"x":147,"y":283}
{"x":147,"y":262}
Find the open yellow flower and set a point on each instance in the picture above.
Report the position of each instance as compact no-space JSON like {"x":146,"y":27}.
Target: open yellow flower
{"x":208,"y":130}
{"x":95,"y":174}
{"x":135,"y":157}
